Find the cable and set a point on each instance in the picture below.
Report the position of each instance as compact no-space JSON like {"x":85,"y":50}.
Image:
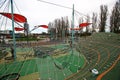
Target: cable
{"x":2,"y":4}
{"x":6,"y":18}
{"x":1,"y":23}
{"x":17,"y":7}
{"x":61,"y":6}
{"x":54,"y":4}
{"x":3,"y":11}
{"x":6,"y":8}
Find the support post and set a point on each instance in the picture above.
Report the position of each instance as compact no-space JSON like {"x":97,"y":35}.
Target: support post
{"x":73,"y":26}
{"x":14,"y":41}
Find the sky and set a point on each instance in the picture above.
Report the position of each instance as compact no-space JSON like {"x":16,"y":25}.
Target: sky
{"x":38,"y":12}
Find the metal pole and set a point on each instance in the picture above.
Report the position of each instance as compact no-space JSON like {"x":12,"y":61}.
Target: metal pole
{"x":14,"y":41}
{"x":72,"y":26}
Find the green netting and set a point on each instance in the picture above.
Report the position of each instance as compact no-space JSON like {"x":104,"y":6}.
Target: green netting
{"x":13,"y":76}
{"x":58,"y":68}
{"x":59,"y":46}
{"x":89,"y":48}
{"x":22,"y":67}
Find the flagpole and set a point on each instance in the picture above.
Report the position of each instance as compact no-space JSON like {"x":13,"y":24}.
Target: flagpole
{"x":14,"y":41}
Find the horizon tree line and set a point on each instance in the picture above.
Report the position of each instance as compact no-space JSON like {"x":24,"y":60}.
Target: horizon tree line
{"x":59,"y":27}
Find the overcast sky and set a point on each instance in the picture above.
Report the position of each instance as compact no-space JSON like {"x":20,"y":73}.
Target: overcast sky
{"x":38,"y":12}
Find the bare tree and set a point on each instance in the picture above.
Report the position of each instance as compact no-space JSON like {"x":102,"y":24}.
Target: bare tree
{"x":81,"y":21}
{"x":63,"y":27}
{"x":59,"y":27}
{"x":66,"y":26}
{"x":56,"y":30}
{"x":50,"y":30}
{"x":103,"y":17}
{"x":94,"y":22}
{"x":115,"y":18}
{"x":87,"y":27}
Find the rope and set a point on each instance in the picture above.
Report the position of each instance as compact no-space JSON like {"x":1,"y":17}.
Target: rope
{"x":2,"y":22}
{"x":16,"y":6}
{"x":6,"y":8}
{"x":61,"y":6}
{"x":2,"y":3}
{"x":6,"y":18}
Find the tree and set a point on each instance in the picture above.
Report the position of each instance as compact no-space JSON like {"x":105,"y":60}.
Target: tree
{"x":66,"y":26}
{"x":87,"y":27}
{"x":56,"y":28}
{"x":81,"y":20}
{"x":94,"y":22}
{"x":115,"y":18}
{"x":50,"y":29}
{"x":59,"y":27}
{"x":103,"y":18}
